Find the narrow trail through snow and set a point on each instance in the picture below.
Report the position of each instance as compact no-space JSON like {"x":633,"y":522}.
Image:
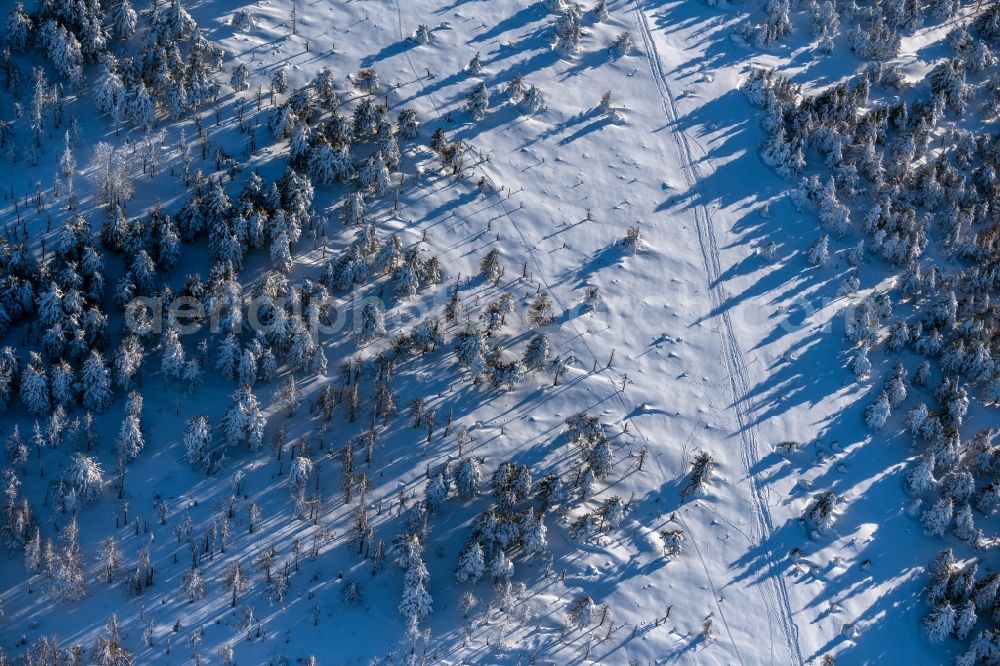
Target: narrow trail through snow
{"x":776,"y":603}
{"x":776,"y":599}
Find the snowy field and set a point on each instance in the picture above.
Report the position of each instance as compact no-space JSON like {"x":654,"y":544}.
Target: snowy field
{"x":521,"y":334}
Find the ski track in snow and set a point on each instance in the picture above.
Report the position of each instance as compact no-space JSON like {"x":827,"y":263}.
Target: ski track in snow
{"x":735,"y":364}
{"x":778,"y":606}
{"x":689,"y":533}
{"x":406,"y":52}
{"x":529,"y":249}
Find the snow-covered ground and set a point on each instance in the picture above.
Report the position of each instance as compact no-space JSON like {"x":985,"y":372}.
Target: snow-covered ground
{"x":699,"y":342}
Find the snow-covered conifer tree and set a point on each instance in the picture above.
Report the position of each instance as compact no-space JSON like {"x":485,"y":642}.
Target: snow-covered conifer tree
{"x":818,"y":253}
{"x":966,"y":620}
{"x":600,"y":460}
{"x":477,"y":102}
{"x":633,"y":240}
{"x":268,"y":365}
{"x":468,"y":476}
{"x":367,"y":80}
{"x":110,"y":559}
{"x":242,"y":21}
{"x":247,"y":367}
{"x":474,"y":67}
{"x":826,"y":24}
{"x":965,"y":525}
{"x":777,"y":23}
{"x":860,"y":365}
{"x":916,"y":419}
{"x":568,"y":30}
{"x":490,"y":267}
{"x":63,"y":50}
{"x":130,"y":438}
{"x":613,"y":510}
{"x":370,"y":323}
{"x":540,"y":313}
{"x":9,"y":370}
{"x":300,"y":146}
{"x":86,"y":478}
{"x":365,"y":120}
{"x":833,"y":214}
{"x":958,"y":485}
{"x":197,"y":439}
{"x":140,"y":108}
{"x":122,"y":19}
{"x":406,"y":281}
{"x":988,"y":499}
{"x":417,"y":602}
{"x":282,"y":122}
{"x":95,"y":381}
{"x":237,"y":581}
{"x":534,"y":540}
{"x":407,"y":550}
{"x":18,"y":28}
{"x":407,"y":124}
{"x":878,"y":412}
{"x":240,"y":78}
{"x":128,"y":361}
{"x":193,"y":584}
{"x":501,"y":568}
{"x":35,"y":387}
{"x":326,"y":164}
{"x":281,"y":252}
{"x":536,"y":355}
{"x":436,"y":492}
{"x":557,"y":367}
{"x":985,"y":594}
{"x":302,"y":468}
{"x":109,"y":648}
{"x":471,"y":564}
{"x":279,"y":80}
{"x":228,"y":356}
{"x":192,"y":376}
{"x":515,"y":88}
{"x":63,"y":384}
{"x":622,"y":45}
{"x":820,"y":514}
{"x":352,"y":211}
{"x":940,"y":622}
{"x":16,"y":449}
{"x":69,"y":582}
{"x":938,"y":516}
{"x":581,"y":613}
{"x":782,"y":153}
{"x":244,"y":421}
{"x":899,"y":336}
{"x":600,"y":10}
{"x":323,"y":84}
{"x":172,"y":355}
{"x":533,"y":100}
{"x":470,"y":348}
